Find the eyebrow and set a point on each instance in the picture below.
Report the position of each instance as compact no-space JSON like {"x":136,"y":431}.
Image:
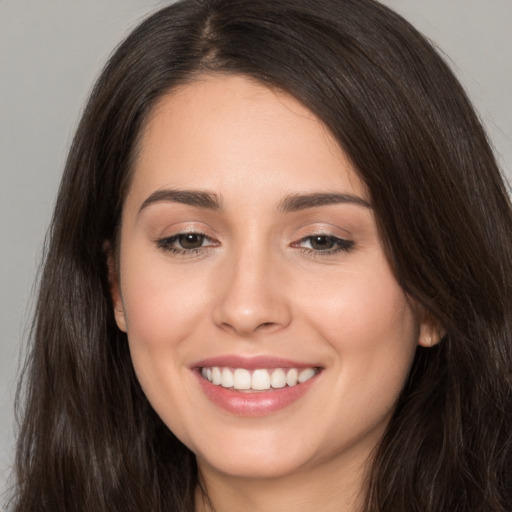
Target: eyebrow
{"x":197,"y":198}
{"x":291,"y":203}
{"x":298,"y":202}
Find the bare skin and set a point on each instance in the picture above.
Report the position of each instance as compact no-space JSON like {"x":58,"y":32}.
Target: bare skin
{"x":248,"y":234}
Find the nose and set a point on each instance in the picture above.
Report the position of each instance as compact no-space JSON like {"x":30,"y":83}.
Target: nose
{"x":252,"y":296}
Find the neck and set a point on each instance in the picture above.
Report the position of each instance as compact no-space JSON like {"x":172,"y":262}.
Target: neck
{"x":327,"y":487}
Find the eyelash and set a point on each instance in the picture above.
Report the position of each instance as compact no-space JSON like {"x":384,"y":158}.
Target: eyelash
{"x":167,"y":244}
{"x":340,"y":245}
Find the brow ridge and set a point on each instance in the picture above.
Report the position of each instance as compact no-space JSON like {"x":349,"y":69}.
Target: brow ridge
{"x":298,"y":202}
{"x":291,"y":203}
{"x":197,"y":198}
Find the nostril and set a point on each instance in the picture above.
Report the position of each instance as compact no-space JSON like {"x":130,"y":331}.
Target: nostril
{"x":266,"y":325}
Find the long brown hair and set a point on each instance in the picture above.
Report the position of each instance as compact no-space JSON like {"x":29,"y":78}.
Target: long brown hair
{"x":90,"y":441}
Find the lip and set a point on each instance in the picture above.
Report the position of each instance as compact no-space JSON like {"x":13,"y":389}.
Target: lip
{"x":252,"y":362}
{"x":258,"y":403}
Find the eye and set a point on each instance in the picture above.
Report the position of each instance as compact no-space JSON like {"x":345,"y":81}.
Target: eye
{"x":186,"y":243}
{"x":190,"y":240}
{"x":324,"y":244}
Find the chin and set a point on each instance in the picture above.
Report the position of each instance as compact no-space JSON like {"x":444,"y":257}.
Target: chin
{"x":254,"y":464}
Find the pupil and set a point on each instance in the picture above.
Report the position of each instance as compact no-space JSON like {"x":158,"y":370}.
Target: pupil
{"x":322,"y":243}
{"x":191,"y":241}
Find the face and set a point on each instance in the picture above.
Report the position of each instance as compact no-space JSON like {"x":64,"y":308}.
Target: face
{"x":264,"y":322}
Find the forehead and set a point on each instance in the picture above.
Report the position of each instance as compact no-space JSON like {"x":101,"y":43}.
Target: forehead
{"x":226,"y":131}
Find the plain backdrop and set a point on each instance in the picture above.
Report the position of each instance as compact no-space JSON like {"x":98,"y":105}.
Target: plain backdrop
{"x":50,"y":54}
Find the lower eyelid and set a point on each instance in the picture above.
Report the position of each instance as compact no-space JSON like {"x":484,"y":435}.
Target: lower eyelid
{"x":167,"y":244}
{"x":327,"y":252}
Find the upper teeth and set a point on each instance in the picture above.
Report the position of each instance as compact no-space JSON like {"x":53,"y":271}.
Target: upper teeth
{"x":258,"y":380}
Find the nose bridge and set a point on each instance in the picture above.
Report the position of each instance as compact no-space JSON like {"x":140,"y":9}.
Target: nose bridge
{"x":252,"y":295}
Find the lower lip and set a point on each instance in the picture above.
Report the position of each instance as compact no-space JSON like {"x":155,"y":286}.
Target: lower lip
{"x":257,"y":403}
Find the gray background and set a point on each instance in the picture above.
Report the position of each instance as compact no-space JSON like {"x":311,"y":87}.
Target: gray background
{"x":50,"y":53}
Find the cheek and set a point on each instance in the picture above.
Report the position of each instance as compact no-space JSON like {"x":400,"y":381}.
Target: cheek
{"x":163,"y":310}
{"x":367,"y":306}
{"x":371,"y":327}
{"x":372,"y":330}
{"x":160,"y":305}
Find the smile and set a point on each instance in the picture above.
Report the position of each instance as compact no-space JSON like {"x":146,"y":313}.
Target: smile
{"x":255,"y":386}
{"x":261,"y":379}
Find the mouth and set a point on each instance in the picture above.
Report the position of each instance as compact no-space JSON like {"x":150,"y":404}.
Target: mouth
{"x":255,"y":386}
{"x":259,"y":379}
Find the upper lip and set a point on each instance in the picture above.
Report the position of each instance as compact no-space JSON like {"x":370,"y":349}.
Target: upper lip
{"x":251,"y":362}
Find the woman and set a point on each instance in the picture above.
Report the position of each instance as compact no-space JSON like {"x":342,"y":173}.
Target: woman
{"x":278,"y":276}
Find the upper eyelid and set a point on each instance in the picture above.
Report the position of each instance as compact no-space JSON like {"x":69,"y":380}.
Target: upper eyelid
{"x":169,"y":244}
{"x":175,"y":236}
{"x":327,"y":234}
{"x":324,"y":229}
{"x":208,"y":233}
{"x":319,"y":232}
{"x":339,"y":241}
{"x":301,"y":233}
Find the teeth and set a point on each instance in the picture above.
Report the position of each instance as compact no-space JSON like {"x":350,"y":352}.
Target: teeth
{"x":260,"y":379}
{"x":292,"y":376}
{"x":306,"y":374}
{"x":216,"y":376}
{"x":278,"y":379}
{"x":227,"y":378}
{"x":242,"y":379}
